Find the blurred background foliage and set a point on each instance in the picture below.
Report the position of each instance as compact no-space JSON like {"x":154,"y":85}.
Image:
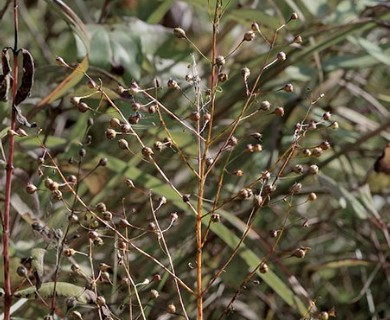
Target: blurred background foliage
{"x":344,"y":54}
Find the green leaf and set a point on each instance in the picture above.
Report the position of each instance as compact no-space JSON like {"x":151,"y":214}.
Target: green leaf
{"x":62,"y":289}
{"x":342,"y":195}
{"x":69,"y":82}
{"x":75,"y":23}
{"x":374,"y":50}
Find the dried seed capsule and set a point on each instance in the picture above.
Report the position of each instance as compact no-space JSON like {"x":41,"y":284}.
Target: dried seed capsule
{"x":57,"y":194}
{"x":22,"y":271}
{"x":168,"y":142}
{"x":306,"y":152}
{"x":249,"y":36}
{"x":294,"y":16}
{"x":265,"y":105}
{"x":249,"y":148}
{"x":179,"y":33}
{"x":27,"y":78}
{"x":312,"y":125}
{"x":158,"y":146}
{"x":325,"y":145}
{"x":173,"y":84}
{"x":274,"y":233}
{"x":255,"y":26}
{"x":103,"y":162}
{"x":147,"y":152}
{"x":51,"y":185}
{"x":122,"y":245}
{"x":257,"y":200}
{"x":281,"y":56}
{"x":288,"y":87}
{"x":72,"y":179}
{"x":134,"y":118}
{"x":326,"y":116}
{"x":298,"y":39}
{"x":130,"y":183}
{"x":154,"y":294}
{"x":101,"y":301}
{"x":300,"y":252}
{"x":152,"y":226}
{"x":238,"y":173}
{"x":174,"y":216}
{"x":98,"y":242}
{"x":68,"y":252}
{"x":209,"y":161}
{"x":125,"y":127}
{"x":60,"y":61}
{"x":171,"y":308}
{"x":107,"y":216}
{"x":312,"y":196}
{"x":123,"y":144}
{"x":75,"y":101}
{"x":298,"y":168}
{"x":90,"y":122}
{"x":295,"y":188}
{"x":91,"y":84}
{"x":30,"y":188}
{"x":82,"y":152}
{"x":317,"y":152}
{"x":245,"y":193}
{"x":124,"y":223}
{"x":186,"y":197}
{"x":245,"y":72}
{"x":195,"y":116}
{"x":334,"y":125}
{"x":269,"y":188}
{"x":135,"y":106}
{"x":73,"y":218}
{"x":93,"y":235}
{"x":279,"y":111}
{"x":265,"y":175}
{"x":215,"y":217}
{"x":222,"y":77}
{"x":323,"y":315}
{"x":83,"y":107}
{"x":313,"y":169}
{"x":75,"y":315}
{"x":257,"y":136}
{"x":101,"y":207}
{"x":110,"y":134}
{"x":263,"y":268}
{"x":152,"y":108}
{"x":220,"y":61}
{"x":232,"y":141}
{"x":257,"y":147}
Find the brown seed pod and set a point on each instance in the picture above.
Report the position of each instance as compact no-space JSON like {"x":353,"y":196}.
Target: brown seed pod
{"x":179,"y":33}
{"x":263,"y":268}
{"x":110,"y":134}
{"x":249,"y":36}
{"x":147,"y":152}
{"x":30,"y":188}
{"x":27,"y":78}
{"x":5,"y":78}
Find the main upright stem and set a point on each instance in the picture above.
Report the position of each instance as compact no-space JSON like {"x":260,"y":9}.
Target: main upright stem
{"x":8,"y":180}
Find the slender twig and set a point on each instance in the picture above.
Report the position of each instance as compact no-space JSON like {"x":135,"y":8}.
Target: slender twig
{"x":166,"y":251}
{"x":3,"y":11}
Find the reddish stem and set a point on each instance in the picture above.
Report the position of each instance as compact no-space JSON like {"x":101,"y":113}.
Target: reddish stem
{"x":8,"y":181}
